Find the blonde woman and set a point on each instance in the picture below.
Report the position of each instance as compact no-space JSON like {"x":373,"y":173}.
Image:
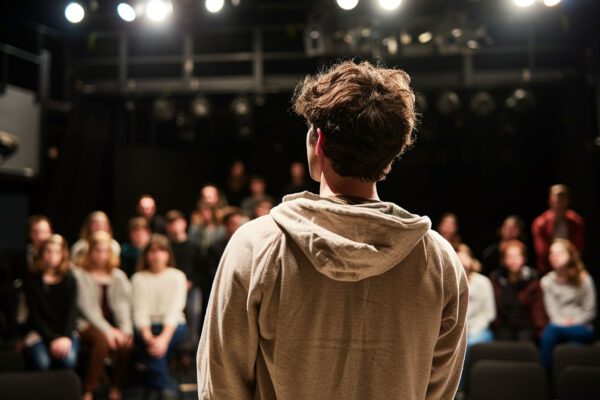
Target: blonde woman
{"x":51,"y":293}
{"x":159,"y":298}
{"x":482,"y":307}
{"x":96,"y":221}
{"x":105,"y":302}
{"x":569,"y":299}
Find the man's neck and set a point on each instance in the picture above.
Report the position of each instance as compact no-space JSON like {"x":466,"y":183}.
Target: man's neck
{"x":351,"y":187}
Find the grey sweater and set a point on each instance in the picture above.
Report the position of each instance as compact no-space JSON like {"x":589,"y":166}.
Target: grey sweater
{"x":119,"y":300}
{"x":567,"y":302}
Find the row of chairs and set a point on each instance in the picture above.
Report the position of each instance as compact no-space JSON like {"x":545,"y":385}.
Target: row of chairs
{"x":512,"y":370}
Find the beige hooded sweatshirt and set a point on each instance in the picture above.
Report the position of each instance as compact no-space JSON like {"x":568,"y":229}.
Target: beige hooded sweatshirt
{"x":329,"y":299}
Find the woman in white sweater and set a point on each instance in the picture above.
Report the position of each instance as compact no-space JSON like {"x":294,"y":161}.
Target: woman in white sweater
{"x":482,"y":306}
{"x":569,"y":299}
{"x":159,"y":298}
{"x":104,"y":300}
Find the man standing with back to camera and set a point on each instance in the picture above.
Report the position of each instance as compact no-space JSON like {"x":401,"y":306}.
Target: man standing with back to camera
{"x":339,"y":295}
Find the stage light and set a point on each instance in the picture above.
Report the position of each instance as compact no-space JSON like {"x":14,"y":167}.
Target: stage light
{"x":524,"y":3}
{"x":425,"y":37}
{"x":164,"y":110}
{"x":126,"y":12}
{"x":158,"y":10}
{"x":347,"y":4}
{"x":521,"y":100}
{"x":448,"y":103}
{"x":551,"y":3}
{"x":389,"y":5}
{"x":201,"y":107}
{"x":482,"y":104}
{"x":74,"y":13}
{"x":214,"y":6}
{"x":405,"y":38}
{"x":241,"y":106}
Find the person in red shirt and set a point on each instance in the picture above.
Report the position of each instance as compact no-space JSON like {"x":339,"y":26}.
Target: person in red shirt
{"x":558,"y":222}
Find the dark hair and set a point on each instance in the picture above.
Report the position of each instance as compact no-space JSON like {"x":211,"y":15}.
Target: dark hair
{"x":39,"y":265}
{"x":174,"y":215}
{"x":366,"y":112}
{"x":138,"y":223}
{"x":156,"y":240}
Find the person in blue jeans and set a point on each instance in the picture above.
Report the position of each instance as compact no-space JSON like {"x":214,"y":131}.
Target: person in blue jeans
{"x":51,"y":293}
{"x":569,"y":299}
{"x":159,"y":299}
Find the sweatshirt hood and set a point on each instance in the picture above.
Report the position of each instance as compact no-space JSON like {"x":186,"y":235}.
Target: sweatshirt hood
{"x":348,"y":240}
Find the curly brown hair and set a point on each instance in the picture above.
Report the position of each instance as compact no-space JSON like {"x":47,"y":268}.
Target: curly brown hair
{"x":366,"y":112}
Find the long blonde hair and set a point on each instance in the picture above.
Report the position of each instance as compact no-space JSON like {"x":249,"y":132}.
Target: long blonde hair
{"x":575,"y":266}
{"x":95,"y":240}
{"x":86,"y":228}
{"x":39,"y":266}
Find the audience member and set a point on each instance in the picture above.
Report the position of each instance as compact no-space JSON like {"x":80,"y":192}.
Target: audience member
{"x":139,"y":236}
{"x":558,"y":222}
{"x":104,"y":301}
{"x":448,"y":228}
{"x":206,"y":227}
{"x":159,"y":297}
{"x":189,"y":259}
{"x":146,"y":208}
{"x":237,"y":182}
{"x":258,"y":193}
{"x":512,"y":228}
{"x":482,"y":308}
{"x":569,"y":298}
{"x":298,"y":182}
{"x":519,"y":298}
{"x":51,"y":292}
{"x":97,"y":221}
{"x":233,"y":218}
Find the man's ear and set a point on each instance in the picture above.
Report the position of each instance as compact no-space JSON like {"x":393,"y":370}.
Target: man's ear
{"x":320,"y":142}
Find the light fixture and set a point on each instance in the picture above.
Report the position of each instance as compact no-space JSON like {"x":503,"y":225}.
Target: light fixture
{"x":158,"y":10}
{"x":126,"y":12}
{"x":214,"y":6}
{"x":241,"y":106}
{"x":201,"y":107}
{"x":448,"y":103}
{"x":551,"y":3}
{"x":389,"y":5}
{"x":405,"y":38}
{"x":521,"y":100}
{"x":164,"y":110}
{"x":425,"y":37}
{"x":482,"y":104}
{"x":347,"y":4}
{"x":524,"y":3}
{"x":74,"y":12}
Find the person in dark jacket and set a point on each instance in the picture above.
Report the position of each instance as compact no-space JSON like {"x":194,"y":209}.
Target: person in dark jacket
{"x":51,"y":292}
{"x":519,"y":298}
{"x":512,"y":228}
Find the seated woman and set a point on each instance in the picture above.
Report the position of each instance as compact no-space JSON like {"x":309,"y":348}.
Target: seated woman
{"x":569,"y":298}
{"x":105,"y":302}
{"x":96,"y":221}
{"x":519,"y":298}
{"x":482,"y":308}
{"x":51,"y":292}
{"x":159,"y":297}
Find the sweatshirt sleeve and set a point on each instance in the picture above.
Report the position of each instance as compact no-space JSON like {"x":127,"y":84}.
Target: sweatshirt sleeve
{"x":449,"y":351}
{"x":89,"y":303}
{"x":178,"y":299}
{"x":139,"y":294}
{"x":552,"y":308}
{"x":229,"y":342}
{"x":122,"y":302}
{"x":588,"y":303}
{"x":72,"y":311}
